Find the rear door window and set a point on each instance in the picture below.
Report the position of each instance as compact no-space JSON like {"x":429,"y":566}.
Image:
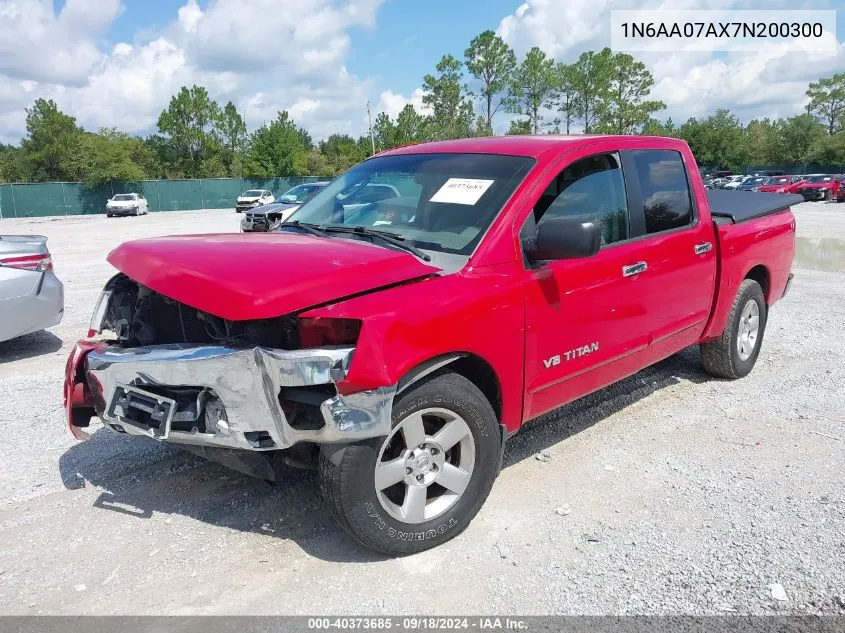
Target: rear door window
{"x":664,"y":187}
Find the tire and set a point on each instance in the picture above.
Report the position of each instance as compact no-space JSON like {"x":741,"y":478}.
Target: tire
{"x":735,"y":352}
{"x":348,"y":477}
{"x":108,"y":215}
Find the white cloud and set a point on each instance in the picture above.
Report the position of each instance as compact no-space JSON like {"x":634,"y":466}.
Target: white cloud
{"x":754,"y":84}
{"x":391,"y":103}
{"x":264,"y":55}
{"x":37,"y":44}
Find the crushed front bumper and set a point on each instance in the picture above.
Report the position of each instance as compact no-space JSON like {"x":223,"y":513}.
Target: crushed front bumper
{"x":239,"y":394}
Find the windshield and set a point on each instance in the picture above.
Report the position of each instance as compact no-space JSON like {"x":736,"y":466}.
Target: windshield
{"x":253,"y":193}
{"x":753,"y":181}
{"x":780,"y":180}
{"x":439,"y":202}
{"x":122,"y":197}
{"x":298,"y":194}
{"x":820,"y":179}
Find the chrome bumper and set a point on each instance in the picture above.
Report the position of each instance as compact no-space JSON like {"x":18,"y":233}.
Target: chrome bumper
{"x":247,"y":383}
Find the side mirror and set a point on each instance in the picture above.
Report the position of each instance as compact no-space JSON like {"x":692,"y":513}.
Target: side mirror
{"x":565,"y":238}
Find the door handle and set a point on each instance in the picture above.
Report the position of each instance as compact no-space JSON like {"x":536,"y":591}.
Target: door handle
{"x":634,"y":269}
{"x":702,"y":248}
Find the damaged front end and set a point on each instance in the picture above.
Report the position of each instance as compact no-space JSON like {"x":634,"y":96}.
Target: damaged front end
{"x":168,"y":371}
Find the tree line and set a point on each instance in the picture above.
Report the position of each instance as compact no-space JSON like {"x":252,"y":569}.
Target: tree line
{"x":599,"y":92}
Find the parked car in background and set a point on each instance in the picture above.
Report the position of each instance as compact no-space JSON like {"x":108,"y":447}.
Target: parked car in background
{"x":820,"y":187}
{"x":719,"y":183}
{"x":734,"y":182}
{"x":31,"y":296}
{"x":252,"y":198}
{"x":397,"y":346}
{"x":751,"y":184}
{"x":267,"y":217}
{"x":777,"y":184}
{"x":840,"y":193}
{"x":127,"y":204}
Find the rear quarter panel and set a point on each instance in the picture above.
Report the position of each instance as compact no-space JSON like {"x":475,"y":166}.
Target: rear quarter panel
{"x":768,"y":241}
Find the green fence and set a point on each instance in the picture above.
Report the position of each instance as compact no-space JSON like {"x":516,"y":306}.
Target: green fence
{"x":71,"y":198}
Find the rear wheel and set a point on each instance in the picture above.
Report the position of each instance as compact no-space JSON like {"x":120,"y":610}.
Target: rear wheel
{"x":735,"y":352}
{"x":421,"y":485}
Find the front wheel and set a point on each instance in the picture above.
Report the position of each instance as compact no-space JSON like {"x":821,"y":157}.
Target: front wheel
{"x":421,"y":485}
{"x":735,"y":352}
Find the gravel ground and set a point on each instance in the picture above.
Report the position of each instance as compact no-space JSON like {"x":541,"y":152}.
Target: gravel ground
{"x":668,"y":493}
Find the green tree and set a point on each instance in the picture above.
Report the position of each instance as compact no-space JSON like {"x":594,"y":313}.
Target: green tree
{"x":801,"y":135}
{"x":189,"y":125}
{"x":764,"y":139}
{"x":718,"y":140}
{"x":411,"y":126}
{"x":112,"y":155}
{"x":565,"y":97}
{"x":827,"y":101}
{"x":491,"y":62}
{"x":13,"y":166}
{"x":628,"y":107}
{"x":231,"y":134}
{"x":592,"y":75}
{"x":533,"y":87}
{"x":52,"y":142}
{"x":341,"y":152}
{"x":452,"y":114}
{"x":278,"y":149}
{"x":653,"y":127}
{"x":385,"y":133}
{"x":830,"y":150}
{"x":520,"y":126}
{"x":318,"y":164}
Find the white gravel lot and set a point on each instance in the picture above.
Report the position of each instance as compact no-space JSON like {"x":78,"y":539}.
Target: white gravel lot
{"x":668,"y":493}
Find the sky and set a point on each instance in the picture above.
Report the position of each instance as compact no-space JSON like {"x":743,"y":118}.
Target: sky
{"x":116,"y":63}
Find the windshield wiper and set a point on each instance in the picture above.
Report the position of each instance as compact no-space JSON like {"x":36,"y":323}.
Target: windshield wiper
{"x":386,"y":236}
{"x":313,"y":229}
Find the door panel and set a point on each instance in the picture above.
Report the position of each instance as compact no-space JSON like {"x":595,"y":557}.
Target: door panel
{"x":677,"y":248}
{"x":583,"y":316}
{"x":678,"y":284}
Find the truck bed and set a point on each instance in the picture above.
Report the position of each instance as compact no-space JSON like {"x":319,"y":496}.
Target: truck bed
{"x":741,"y":206}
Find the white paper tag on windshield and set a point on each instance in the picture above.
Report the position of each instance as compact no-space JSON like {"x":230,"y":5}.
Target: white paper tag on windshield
{"x":462,"y":190}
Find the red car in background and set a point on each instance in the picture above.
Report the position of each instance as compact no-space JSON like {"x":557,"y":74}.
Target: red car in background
{"x":840,"y":192}
{"x":780,"y":184}
{"x":819,"y":187}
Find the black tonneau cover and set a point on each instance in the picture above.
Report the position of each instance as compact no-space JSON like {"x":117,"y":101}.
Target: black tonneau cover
{"x":740,"y":206}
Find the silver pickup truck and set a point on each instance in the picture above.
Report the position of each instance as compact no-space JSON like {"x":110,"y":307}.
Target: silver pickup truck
{"x":267,"y":217}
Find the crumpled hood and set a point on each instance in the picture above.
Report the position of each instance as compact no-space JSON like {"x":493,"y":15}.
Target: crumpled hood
{"x":258,"y":276}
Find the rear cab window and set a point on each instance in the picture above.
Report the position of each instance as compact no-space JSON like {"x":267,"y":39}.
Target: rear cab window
{"x":661,"y":184}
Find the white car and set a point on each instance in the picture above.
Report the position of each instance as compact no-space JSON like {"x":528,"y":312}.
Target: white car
{"x":734,"y":182}
{"x":252,"y":198}
{"x":127,"y":204}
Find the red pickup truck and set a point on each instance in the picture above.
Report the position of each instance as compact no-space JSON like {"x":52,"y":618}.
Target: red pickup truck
{"x":397,"y":345}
